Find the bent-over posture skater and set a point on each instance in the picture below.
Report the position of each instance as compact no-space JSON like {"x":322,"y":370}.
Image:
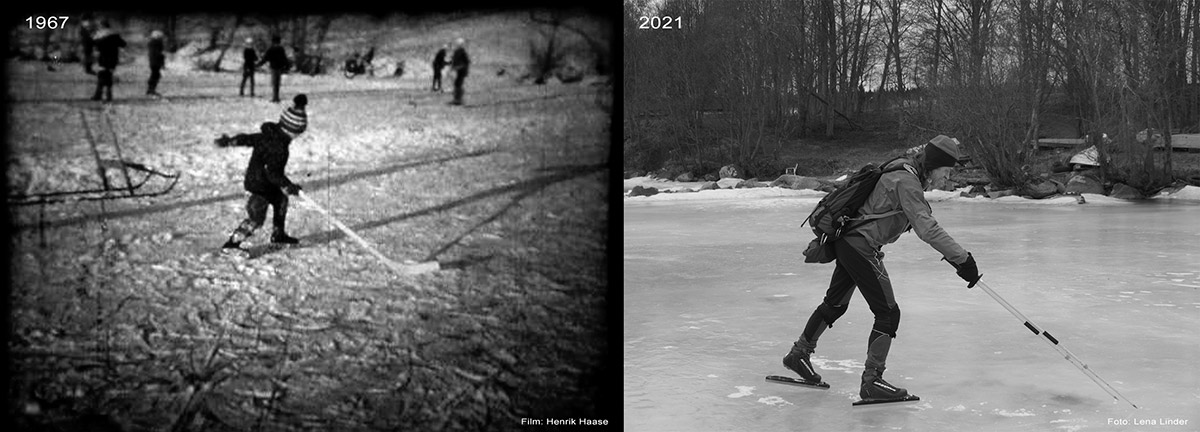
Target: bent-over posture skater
{"x":859,"y":261}
{"x":265,"y":178}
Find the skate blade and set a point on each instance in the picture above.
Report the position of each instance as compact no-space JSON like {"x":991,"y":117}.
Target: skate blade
{"x":906,"y":399}
{"x":798,"y":382}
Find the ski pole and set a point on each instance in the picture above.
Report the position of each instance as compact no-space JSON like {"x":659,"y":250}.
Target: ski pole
{"x":1054,"y":343}
{"x":394,"y":266}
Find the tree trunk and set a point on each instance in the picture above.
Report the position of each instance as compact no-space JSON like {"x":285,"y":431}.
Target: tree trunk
{"x":937,"y":44}
{"x":171,"y":28}
{"x":830,"y":64}
{"x":237,"y":22}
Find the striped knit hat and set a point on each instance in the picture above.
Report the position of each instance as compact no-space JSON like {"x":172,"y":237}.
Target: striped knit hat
{"x":294,"y":120}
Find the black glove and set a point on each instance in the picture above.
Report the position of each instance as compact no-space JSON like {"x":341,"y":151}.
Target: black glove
{"x":294,"y":189}
{"x":968,"y":271}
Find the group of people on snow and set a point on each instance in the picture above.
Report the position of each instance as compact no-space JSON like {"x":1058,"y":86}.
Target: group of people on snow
{"x":101,"y":47}
{"x":459,"y":64}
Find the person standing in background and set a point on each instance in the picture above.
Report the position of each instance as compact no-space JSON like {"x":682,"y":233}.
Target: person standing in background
{"x":249,"y":60}
{"x":108,"y":45}
{"x":459,"y":63}
{"x":439,"y":63}
{"x":278,"y":60}
{"x":157,"y":59}
{"x":86,"y":28}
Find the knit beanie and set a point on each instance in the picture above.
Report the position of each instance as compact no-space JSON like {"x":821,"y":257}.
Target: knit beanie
{"x":942,"y":152}
{"x":294,"y":120}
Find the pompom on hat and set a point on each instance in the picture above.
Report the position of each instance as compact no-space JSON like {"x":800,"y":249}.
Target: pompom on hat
{"x":293,"y":119}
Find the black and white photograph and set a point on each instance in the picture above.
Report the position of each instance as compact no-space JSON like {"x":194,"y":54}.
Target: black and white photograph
{"x":925,"y":215}
{"x":293,"y":220}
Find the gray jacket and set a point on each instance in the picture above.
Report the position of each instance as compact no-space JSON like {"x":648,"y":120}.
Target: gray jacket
{"x":902,"y":190}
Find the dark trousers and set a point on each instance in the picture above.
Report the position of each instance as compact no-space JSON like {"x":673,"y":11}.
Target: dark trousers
{"x":858,"y":265}
{"x":276,"y":77}
{"x":459,"y":78}
{"x":88,"y":61}
{"x":437,"y":79}
{"x":256,"y":209}
{"x":152,"y":85}
{"x":104,"y":84}
{"x":248,"y":75}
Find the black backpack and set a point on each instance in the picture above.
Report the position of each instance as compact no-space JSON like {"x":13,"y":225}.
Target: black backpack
{"x":838,"y":213}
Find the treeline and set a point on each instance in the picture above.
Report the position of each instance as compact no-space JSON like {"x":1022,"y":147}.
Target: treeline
{"x":985,"y":71}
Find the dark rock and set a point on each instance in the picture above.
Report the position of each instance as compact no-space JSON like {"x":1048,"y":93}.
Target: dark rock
{"x":685,"y":177}
{"x":1039,"y":189}
{"x":1081,"y":184}
{"x":796,"y":182}
{"x":1123,"y":191}
{"x":710,"y":177}
{"x":1001,"y":193}
{"x":643,"y":191}
{"x":708,"y":186}
{"x":728,"y":171}
{"x":750,"y":184}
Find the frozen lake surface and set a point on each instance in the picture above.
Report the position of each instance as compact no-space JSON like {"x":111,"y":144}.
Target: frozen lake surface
{"x":715,"y":292}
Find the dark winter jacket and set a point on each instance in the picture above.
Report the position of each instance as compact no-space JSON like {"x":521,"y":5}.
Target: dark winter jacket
{"x":85,"y":38}
{"x":265,"y":174}
{"x":902,"y":190}
{"x":460,"y":62}
{"x":277,"y":58}
{"x":156,"y":54}
{"x":249,"y":59}
{"x":439,"y":59}
{"x":109,"y":48}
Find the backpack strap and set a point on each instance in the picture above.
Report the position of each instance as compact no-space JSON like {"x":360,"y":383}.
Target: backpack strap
{"x":865,"y":219}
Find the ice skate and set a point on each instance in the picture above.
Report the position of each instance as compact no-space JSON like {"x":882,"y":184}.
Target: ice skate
{"x":797,"y":360}
{"x":875,"y":390}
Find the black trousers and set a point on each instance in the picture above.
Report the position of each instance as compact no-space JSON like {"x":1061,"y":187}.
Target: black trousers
{"x":248,"y":75}
{"x":858,"y":265}
{"x":276,"y":77}
{"x":152,"y":85}
{"x":256,"y":209}
{"x":437,"y":78}
{"x":459,"y":78}
{"x":88,"y":61}
{"x":104,"y":84}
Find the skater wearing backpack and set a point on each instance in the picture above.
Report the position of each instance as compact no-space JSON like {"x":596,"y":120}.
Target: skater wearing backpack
{"x":265,"y":180}
{"x":895,"y":204}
